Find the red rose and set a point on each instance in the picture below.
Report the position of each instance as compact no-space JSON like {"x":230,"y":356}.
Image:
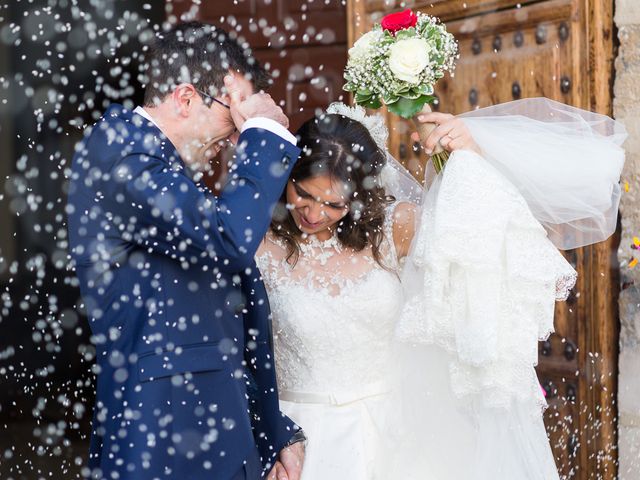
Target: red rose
{"x":399,"y":21}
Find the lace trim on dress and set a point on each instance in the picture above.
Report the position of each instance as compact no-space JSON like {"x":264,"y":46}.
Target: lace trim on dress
{"x":320,"y":250}
{"x":389,"y":252}
{"x":326,"y":266}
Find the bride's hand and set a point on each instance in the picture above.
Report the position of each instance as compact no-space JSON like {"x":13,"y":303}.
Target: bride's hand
{"x":451,"y":133}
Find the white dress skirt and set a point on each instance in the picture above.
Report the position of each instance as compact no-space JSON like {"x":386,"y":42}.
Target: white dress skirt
{"x":344,"y":441}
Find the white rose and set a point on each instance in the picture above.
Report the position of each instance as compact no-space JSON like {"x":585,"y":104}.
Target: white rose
{"x":363,"y":46}
{"x":408,"y":58}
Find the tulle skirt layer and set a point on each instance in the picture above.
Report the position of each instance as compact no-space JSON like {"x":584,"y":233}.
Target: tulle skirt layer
{"x":440,"y":437}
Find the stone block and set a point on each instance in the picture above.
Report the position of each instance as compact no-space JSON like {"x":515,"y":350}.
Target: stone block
{"x":627,"y":12}
{"x":629,"y":453}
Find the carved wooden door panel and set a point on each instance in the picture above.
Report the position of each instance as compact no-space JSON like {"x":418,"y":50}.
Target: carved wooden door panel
{"x":561,"y":49}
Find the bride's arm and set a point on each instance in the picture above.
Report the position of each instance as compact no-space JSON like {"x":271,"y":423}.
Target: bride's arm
{"x":404,"y":227}
{"x":262,"y":246}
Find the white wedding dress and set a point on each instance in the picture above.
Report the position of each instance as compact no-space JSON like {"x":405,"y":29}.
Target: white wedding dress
{"x":424,"y":368}
{"x":372,"y":406}
{"x":334,"y":316}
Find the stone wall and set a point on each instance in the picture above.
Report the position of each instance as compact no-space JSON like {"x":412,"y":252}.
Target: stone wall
{"x":627,"y":109}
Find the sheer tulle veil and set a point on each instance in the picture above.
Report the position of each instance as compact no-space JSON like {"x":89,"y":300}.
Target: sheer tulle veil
{"x":565,"y":162}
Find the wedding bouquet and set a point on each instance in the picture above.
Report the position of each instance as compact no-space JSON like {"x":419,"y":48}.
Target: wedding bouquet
{"x":398,"y":64}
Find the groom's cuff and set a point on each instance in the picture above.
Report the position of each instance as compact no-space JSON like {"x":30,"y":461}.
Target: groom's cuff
{"x":270,"y":125}
{"x":299,"y":436}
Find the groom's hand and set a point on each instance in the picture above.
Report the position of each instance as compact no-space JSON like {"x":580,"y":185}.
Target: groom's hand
{"x":289,"y":464}
{"x":257,"y":105}
{"x":278,"y":472}
{"x":292,"y":458}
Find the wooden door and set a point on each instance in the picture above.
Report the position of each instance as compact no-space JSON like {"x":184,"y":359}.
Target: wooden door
{"x":561,"y":49}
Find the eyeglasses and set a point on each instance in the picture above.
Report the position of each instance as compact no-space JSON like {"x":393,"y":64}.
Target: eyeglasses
{"x":213,"y":99}
{"x":209,"y":97}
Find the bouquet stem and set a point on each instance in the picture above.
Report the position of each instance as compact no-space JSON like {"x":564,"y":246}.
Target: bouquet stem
{"x":439,"y":156}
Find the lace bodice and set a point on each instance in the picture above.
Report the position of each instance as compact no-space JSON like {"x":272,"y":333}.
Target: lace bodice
{"x":334,"y":314}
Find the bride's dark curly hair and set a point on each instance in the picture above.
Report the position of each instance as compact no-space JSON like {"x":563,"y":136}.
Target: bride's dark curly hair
{"x":343,"y":149}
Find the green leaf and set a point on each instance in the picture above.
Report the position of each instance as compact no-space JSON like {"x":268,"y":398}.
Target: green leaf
{"x":386,"y":40}
{"x":412,"y":95}
{"x":388,"y":35}
{"x":373,"y":103}
{"x":349,"y":87}
{"x":407,"y":108}
{"x":362,"y":99}
{"x":424,"y":89}
{"x":368,"y":101}
{"x":391,"y":98}
{"x":407,"y":33}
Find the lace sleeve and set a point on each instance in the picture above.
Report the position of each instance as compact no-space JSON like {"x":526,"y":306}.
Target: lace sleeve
{"x":270,"y":259}
{"x":390,"y":252}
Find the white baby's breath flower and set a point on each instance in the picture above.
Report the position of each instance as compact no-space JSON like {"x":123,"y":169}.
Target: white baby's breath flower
{"x":364,"y":46}
{"x":408,"y":58}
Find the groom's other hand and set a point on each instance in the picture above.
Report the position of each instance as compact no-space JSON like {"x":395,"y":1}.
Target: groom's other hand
{"x":278,"y":472}
{"x":289,"y":464}
{"x":451,"y":132}
{"x":292,"y":458}
{"x":256,"y":105}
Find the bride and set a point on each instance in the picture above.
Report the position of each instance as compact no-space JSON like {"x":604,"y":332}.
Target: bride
{"x":406,"y":320}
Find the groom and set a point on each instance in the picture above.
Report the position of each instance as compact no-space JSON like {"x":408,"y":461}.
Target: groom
{"x":186,"y":385}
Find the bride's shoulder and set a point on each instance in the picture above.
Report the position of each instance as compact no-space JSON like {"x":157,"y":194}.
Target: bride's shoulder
{"x":402,"y":216}
{"x":272,"y":245}
{"x":403,"y":212}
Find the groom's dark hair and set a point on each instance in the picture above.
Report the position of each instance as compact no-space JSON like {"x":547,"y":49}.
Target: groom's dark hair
{"x":199,"y":54}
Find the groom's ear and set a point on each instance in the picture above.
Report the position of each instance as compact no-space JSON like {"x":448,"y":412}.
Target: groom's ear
{"x":184,"y":97}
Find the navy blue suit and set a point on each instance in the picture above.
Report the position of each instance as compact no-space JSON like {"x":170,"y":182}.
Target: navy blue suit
{"x":179,"y":315}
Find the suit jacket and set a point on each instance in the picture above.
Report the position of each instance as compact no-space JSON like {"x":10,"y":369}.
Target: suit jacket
{"x":180,"y":319}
